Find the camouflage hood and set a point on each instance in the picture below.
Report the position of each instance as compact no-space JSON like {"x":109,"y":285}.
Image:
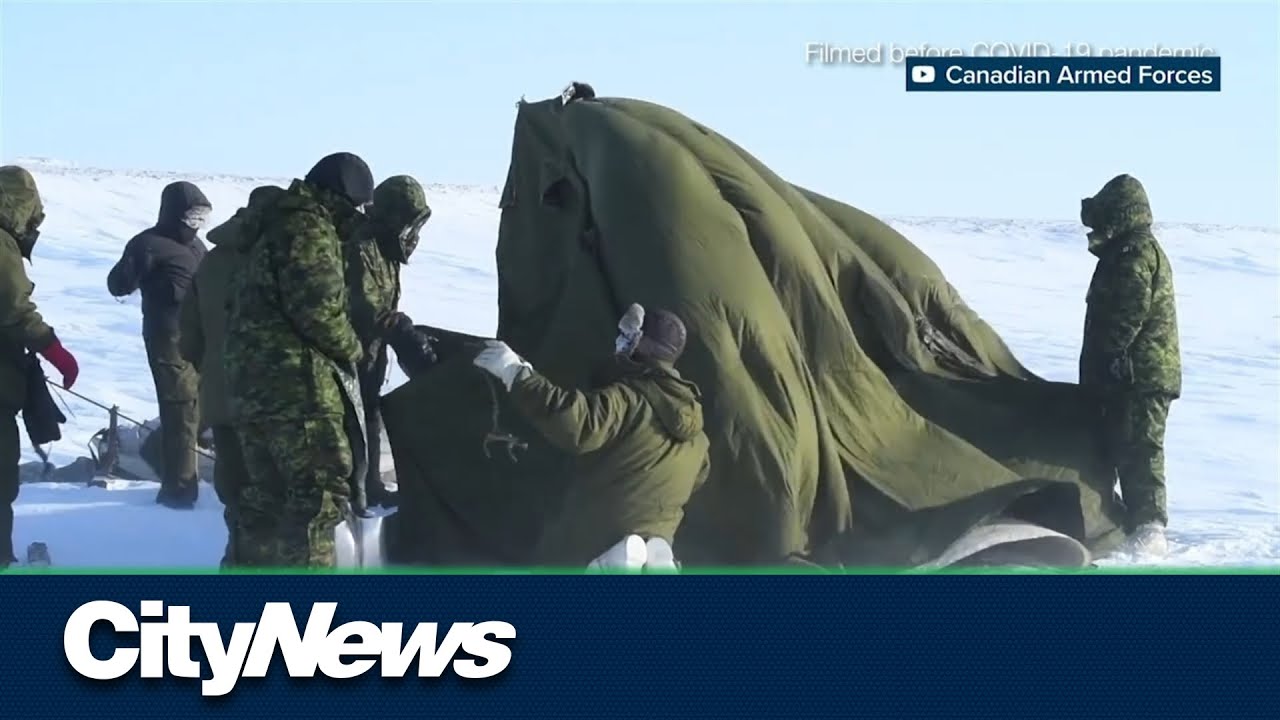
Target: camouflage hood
{"x":399,"y":211}
{"x":241,"y":229}
{"x":347,"y":217}
{"x":1119,"y":208}
{"x":21,"y":211}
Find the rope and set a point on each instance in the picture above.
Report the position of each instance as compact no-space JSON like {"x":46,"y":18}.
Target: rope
{"x":122,"y":416}
{"x":496,"y":434}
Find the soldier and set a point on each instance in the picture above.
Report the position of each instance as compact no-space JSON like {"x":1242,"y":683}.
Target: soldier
{"x":640,"y":439}
{"x":22,"y":329}
{"x":204,"y":323}
{"x":161,"y":261}
{"x":1130,"y":356}
{"x":396,"y":217}
{"x":290,"y":354}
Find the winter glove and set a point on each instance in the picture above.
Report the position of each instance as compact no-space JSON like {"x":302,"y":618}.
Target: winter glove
{"x":414,"y":352}
{"x":63,"y":361}
{"x":415,"y":357}
{"x":629,"y":330}
{"x":502,"y":362}
{"x":398,"y":325}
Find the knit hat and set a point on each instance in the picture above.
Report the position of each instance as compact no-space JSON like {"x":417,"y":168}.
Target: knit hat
{"x":664,"y":337}
{"x":345,"y":175}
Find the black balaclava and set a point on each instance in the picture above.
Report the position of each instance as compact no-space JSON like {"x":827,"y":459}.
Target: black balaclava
{"x":184,"y":209}
{"x":344,"y":175}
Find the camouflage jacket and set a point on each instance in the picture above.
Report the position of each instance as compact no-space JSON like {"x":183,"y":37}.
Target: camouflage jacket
{"x":1131,"y":323}
{"x":203,"y":320}
{"x":373,"y":281}
{"x":289,"y":328}
{"x":21,"y":326}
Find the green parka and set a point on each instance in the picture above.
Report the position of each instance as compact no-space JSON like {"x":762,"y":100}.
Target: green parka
{"x":21,"y":326}
{"x":642,"y":452}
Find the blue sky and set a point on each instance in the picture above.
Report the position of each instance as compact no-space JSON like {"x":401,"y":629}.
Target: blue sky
{"x":267,"y":88}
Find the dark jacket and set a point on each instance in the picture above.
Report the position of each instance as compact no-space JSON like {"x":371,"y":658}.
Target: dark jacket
{"x":161,"y":261}
{"x":1131,"y":322}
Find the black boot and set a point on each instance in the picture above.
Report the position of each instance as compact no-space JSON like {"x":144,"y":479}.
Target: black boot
{"x":179,"y":496}
{"x":377,"y":495}
{"x":7,"y":557}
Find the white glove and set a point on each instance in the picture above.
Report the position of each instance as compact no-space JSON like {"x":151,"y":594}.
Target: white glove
{"x":629,"y":330}
{"x":502,"y":362}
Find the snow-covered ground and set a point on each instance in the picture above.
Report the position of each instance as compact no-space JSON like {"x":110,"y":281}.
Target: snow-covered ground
{"x":1027,"y":278}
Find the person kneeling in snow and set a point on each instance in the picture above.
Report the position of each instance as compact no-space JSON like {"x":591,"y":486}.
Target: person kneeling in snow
{"x":641,"y":441}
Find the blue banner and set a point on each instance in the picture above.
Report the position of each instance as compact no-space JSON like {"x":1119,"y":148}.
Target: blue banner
{"x":1064,"y":74}
{"x":612,"y":647}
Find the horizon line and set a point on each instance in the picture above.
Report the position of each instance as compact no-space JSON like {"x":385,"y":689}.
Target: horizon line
{"x":55,"y":164}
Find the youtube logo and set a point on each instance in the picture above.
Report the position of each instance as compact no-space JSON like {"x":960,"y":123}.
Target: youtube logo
{"x":923,"y":74}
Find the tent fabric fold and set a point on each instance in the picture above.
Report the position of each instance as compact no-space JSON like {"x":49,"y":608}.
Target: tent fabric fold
{"x":859,"y":412}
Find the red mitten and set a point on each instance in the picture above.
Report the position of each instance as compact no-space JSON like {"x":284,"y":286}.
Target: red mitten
{"x":64,"y":361}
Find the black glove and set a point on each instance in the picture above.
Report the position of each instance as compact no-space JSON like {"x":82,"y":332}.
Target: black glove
{"x":398,"y":325}
{"x":414,"y":351}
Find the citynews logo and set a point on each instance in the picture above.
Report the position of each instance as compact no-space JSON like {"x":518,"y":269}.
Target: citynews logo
{"x":347,"y":651}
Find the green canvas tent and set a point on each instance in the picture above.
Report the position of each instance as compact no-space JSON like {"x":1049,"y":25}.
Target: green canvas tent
{"x":859,"y":412}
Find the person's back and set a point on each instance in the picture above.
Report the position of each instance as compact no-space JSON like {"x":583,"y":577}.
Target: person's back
{"x":639,"y":464}
{"x":290,"y":355}
{"x":204,"y":319}
{"x":1130,"y":356}
{"x":204,"y":325}
{"x":639,"y":438}
{"x":288,"y":319}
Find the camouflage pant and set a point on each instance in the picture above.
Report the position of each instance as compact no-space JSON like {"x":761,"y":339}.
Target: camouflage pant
{"x":177,"y":386}
{"x":1134,"y":424}
{"x":10,"y":455}
{"x":371,"y":379}
{"x":229,"y":475}
{"x":295,"y":493}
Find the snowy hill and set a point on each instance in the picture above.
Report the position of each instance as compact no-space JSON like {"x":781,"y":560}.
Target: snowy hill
{"x":1027,"y":278}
